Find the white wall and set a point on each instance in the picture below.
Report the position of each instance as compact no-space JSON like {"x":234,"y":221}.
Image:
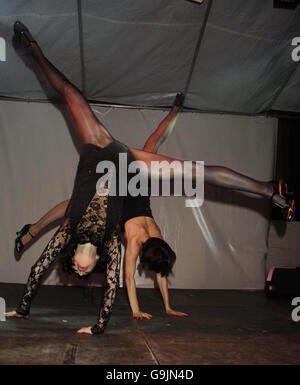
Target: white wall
{"x":221,"y":246}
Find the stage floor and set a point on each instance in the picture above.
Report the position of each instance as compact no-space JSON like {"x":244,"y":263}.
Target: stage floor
{"x":224,"y":327}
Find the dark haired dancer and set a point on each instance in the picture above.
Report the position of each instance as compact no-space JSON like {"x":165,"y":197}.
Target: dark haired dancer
{"x":94,"y":221}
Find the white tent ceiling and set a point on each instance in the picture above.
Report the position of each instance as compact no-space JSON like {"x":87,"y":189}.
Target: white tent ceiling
{"x":140,"y":52}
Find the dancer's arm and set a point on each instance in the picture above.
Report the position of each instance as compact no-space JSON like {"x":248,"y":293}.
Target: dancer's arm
{"x":165,"y":128}
{"x":132,"y":251}
{"x":163,"y":287}
{"x":112,"y":250}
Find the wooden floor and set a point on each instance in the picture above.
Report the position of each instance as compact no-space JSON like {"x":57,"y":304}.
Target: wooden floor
{"x":224,"y":327}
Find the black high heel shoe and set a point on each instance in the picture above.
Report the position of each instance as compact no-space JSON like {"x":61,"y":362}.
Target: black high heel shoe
{"x":289,"y":208}
{"x":21,"y":31}
{"x":19,"y":246}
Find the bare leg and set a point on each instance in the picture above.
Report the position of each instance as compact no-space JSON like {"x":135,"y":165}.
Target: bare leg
{"x":89,"y":128}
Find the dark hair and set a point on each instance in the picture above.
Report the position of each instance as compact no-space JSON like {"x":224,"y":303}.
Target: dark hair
{"x":67,"y":261}
{"x":158,"y":256}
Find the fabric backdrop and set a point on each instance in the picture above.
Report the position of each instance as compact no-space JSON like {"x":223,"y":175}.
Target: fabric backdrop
{"x":139,"y":52}
{"x":222,"y":245}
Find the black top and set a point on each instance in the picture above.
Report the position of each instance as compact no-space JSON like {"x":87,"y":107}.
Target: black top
{"x":136,"y":207}
{"x":120,"y":208}
{"x":86,"y":182}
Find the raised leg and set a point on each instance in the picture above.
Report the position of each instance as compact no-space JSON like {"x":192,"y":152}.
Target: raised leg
{"x":165,"y":128}
{"x":55,"y":214}
{"x":89,"y":128}
{"x":214,"y":175}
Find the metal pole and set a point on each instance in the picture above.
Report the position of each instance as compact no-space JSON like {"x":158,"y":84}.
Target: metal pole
{"x":201,"y":33}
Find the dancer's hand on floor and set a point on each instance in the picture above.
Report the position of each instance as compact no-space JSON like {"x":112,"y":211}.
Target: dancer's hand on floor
{"x":87,"y":330}
{"x":14,"y":314}
{"x":176,"y":313}
{"x":141,"y":315}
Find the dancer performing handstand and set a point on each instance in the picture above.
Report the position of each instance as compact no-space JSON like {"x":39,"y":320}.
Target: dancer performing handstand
{"x":139,"y":225}
{"x":92,"y":222}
